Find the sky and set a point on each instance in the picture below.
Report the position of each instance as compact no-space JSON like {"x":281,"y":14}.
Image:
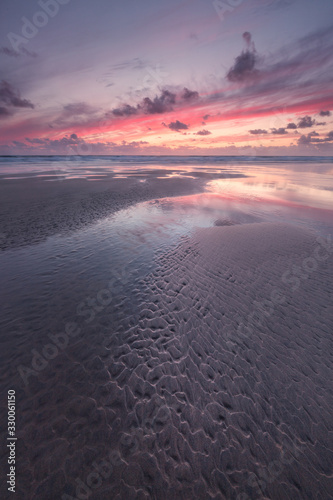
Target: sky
{"x":166,"y":77}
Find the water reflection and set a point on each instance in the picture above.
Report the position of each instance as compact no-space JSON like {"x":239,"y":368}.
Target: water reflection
{"x":280,"y":186}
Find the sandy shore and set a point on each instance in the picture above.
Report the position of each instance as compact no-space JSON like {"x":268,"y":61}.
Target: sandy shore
{"x":184,"y":390}
{"x":209,"y":379}
{"x":239,"y":351}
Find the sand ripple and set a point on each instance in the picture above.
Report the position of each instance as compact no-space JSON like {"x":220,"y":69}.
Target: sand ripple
{"x":205,"y":402}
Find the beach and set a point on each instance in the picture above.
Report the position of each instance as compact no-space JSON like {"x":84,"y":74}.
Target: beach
{"x":167,"y":328}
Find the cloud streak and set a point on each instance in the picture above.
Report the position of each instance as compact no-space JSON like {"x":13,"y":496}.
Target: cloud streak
{"x":10,"y":98}
{"x":14,"y":53}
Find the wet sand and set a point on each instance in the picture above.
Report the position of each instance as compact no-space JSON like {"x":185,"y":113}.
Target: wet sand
{"x":210,"y":378}
{"x":33,"y":209}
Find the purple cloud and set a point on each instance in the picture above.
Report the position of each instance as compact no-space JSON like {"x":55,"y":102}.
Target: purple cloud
{"x":189,"y":95}
{"x":258,"y":131}
{"x":4,"y":111}
{"x":244,"y":67}
{"x":125,"y":110}
{"x":306,"y":122}
{"x":10,"y":98}
{"x":312,"y":138}
{"x":9,"y":52}
{"x":14,"y":53}
{"x":160,"y":104}
{"x":177,"y":126}
{"x":203,"y":132}
{"x":279,"y":131}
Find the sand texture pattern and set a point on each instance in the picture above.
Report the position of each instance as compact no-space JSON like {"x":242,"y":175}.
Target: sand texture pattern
{"x":199,"y":399}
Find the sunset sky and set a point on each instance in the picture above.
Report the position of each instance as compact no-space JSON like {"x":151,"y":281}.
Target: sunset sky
{"x":197,"y":77}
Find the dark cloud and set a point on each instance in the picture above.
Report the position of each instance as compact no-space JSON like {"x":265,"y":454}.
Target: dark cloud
{"x":75,"y":145}
{"x":177,"y":126}
{"x":134,"y":143}
{"x":244,"y":67}
{"x":320,"y":123}
{"x":10,"y":98}
{"x":279,"y":131}
{"x":306,"y":122}
{"x":258,"y":131}
{"x":189,"y":95}
{"x":292,"y":126}
{"x":9,"y":52}
{"x":160,"y":104}
{"x":36,"y":141}
{"x":303,"y":68}
{"x":4,"y":111}
{"x":125,"y":110}
{"x":206,"y":117}
{"x":65,"y":144}
{"x":305,"y":139}
{"x":312,"y":138}
{"x":248,"y":38}
{"x":325,"y":113}
{"x":66,"y":141}
{"x":203,"y":132}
